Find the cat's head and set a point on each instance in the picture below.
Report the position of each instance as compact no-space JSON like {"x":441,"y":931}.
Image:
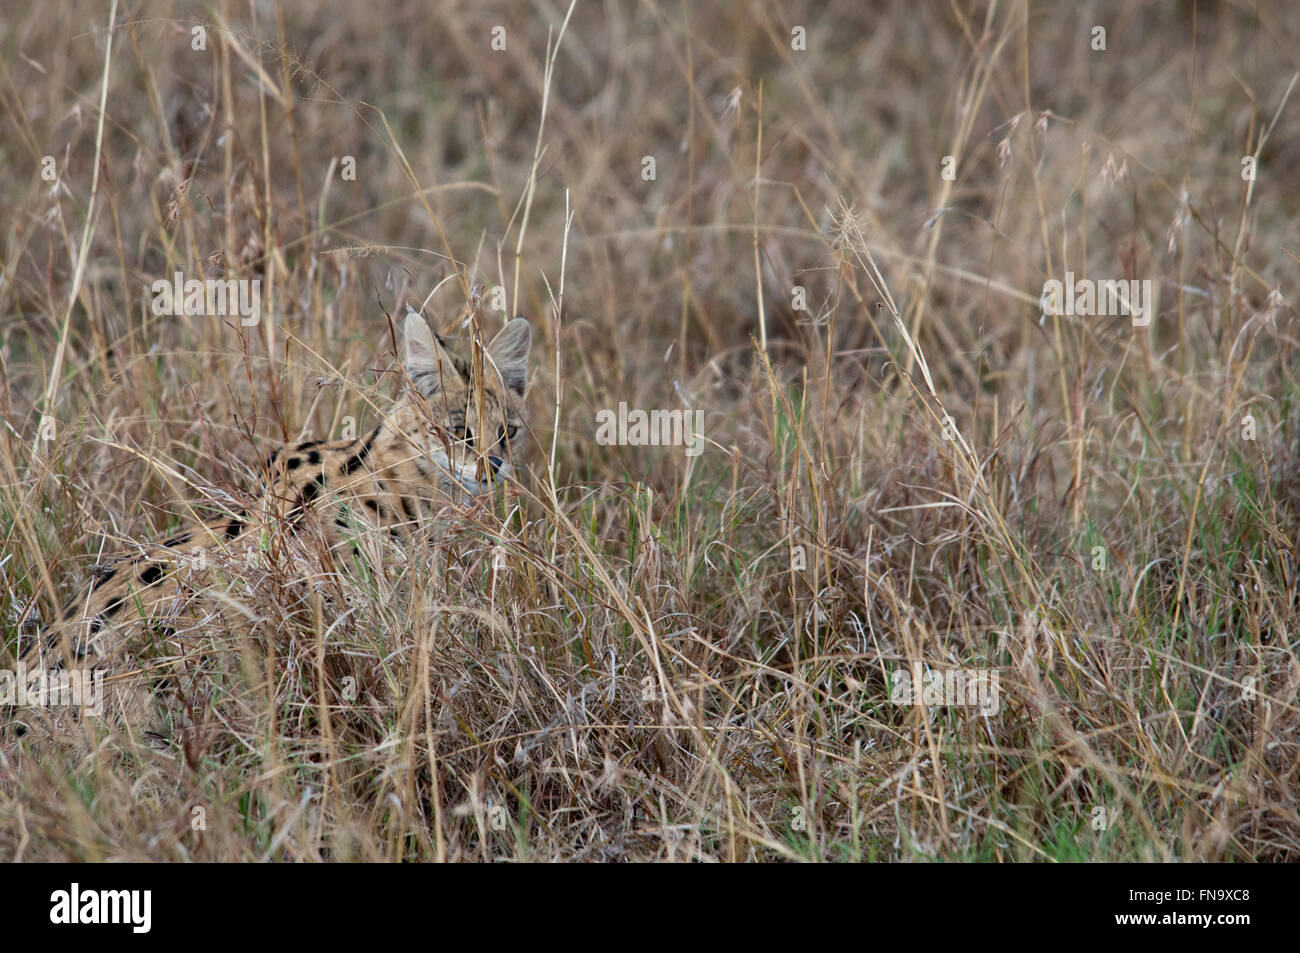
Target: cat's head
{"x":472,"y":429}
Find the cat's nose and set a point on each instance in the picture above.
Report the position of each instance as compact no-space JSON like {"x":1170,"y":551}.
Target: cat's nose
{"x":495,"y":463}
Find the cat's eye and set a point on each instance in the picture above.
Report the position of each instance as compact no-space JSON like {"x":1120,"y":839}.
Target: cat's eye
{"x":511,"y":431}
{"x":462,"y":433}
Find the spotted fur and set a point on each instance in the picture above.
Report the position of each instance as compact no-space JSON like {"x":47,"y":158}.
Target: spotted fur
{"x":451,"y":435}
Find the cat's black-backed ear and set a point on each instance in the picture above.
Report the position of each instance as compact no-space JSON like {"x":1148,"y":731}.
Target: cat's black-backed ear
{"x":509,"y":354}
{"x":427,"y":362}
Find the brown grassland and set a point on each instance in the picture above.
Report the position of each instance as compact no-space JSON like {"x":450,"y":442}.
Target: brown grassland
{"x":658,"y":656}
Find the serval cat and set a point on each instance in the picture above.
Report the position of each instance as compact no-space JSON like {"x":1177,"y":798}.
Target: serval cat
{"x":452,"y":434}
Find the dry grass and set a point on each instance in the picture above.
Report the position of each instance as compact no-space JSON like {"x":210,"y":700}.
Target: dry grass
{"x":643,"y":673}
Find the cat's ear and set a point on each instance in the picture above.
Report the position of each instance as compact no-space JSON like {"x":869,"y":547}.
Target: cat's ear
{"x":428,"y":363}
{"x":509,"y":354}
